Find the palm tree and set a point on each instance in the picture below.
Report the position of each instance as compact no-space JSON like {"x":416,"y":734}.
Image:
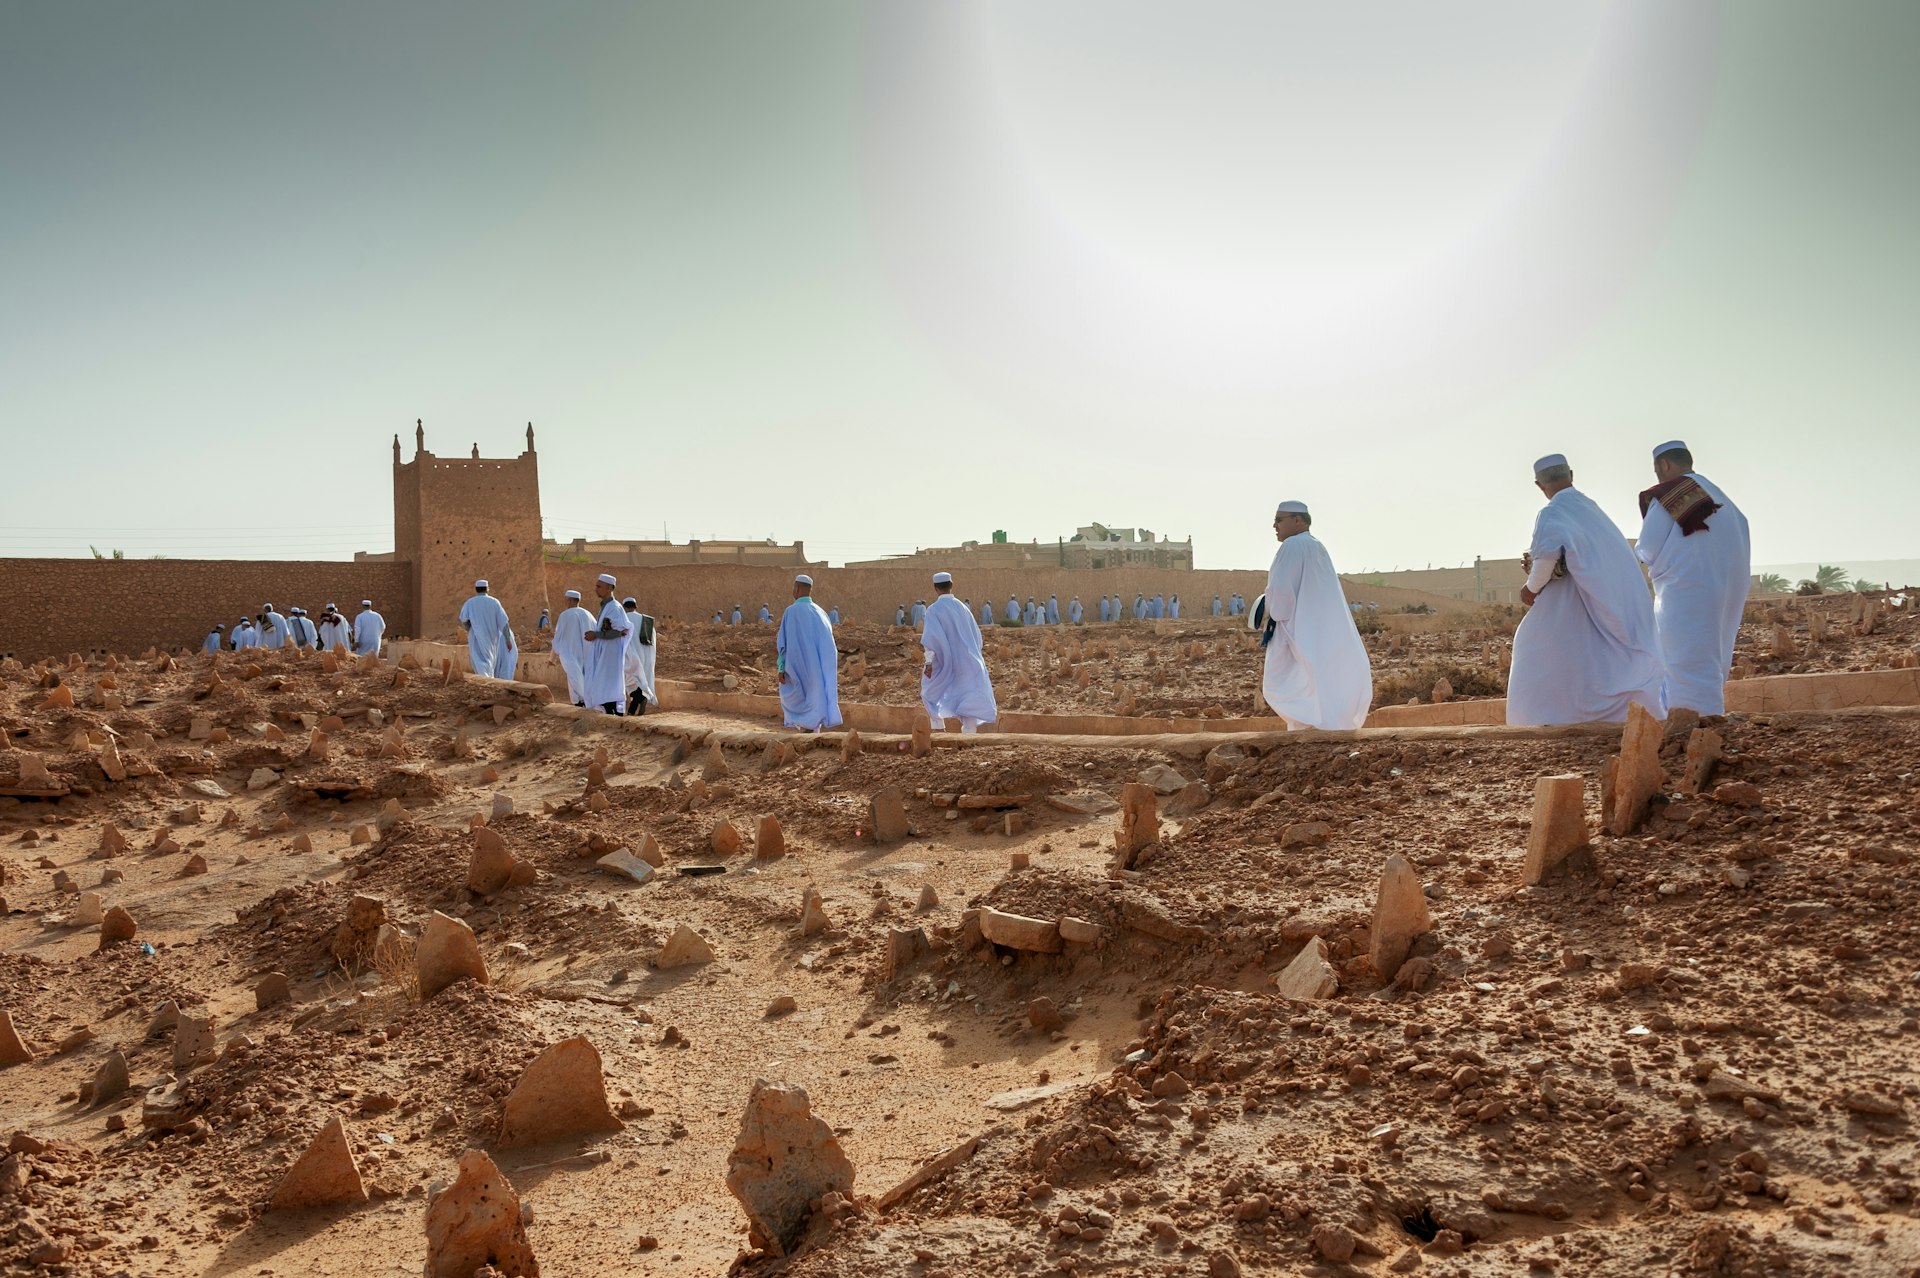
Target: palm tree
{"x":1771,"y":583}
{"x":1864,"y":587}
{"x":1830,"y":577}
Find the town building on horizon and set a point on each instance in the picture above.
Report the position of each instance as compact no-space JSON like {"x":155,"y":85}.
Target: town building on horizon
{"x":1095,"y":546}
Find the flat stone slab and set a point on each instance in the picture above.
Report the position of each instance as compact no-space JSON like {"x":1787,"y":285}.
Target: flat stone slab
{"x":1021,"y":1097}
{"x":624,"y":864}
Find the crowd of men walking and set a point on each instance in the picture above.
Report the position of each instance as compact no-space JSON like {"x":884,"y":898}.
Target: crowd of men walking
{"x":1594,"y":642}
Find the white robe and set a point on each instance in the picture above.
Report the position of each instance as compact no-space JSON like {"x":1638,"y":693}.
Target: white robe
{"x":810,"y":695}
{"x":368,"y":629}
{"x":244,"y":638}
{"x":275,"y":634}
{"x":333,"y":632}
{"x":486,"y":620}
{"x":1317,"y":674}
{"x":1700,"y":585}
{"x":506,"y":658}
{"x":571,"y":650}
{"x":213,"y":641}
{"x":1586,"y":650}
{"x":638,"y":666}
{"x":606,"y":658}
{"x":959,"y":687}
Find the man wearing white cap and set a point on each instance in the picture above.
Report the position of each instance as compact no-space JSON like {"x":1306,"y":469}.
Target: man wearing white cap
{"x":244,"y":635}
{"x":485,"y":622}
{"x":638,"y":666}
{"x":1074,"y":611}
{"x":1316,"y":674}
{"x":369,"y":628}
{"x":809,"y":664}
{"x":1586,"y":650}
{"x":1695,"y":544}
{"x":953,"y":676}
{"x":570,"y":647}
{"x":274,"y":631}
{"x":333,"y":629}
{"x":216,"y":639}
{"x":607,"y":650}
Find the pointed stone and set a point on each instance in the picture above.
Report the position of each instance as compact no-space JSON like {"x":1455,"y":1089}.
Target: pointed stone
{"x":116,"y":927}
{"x":447,"y":953}
{"x":492,"y":867}
{"x":850,"y":746}
{"x":33,"y":772}
{"x":928,"y":897}
{"x":1400,"y":916}
{"x":390,"y":815}
{"x":61,"y":698}
{"x":887,"y":815}
{"x":319,"y":746}
{"x":783,"y":1160}
{"x":193,"y":1043}
{"x":1559,"y":826}
{"x":392,"y":744}
{"x":13,"y":1048}
{"x":683,"y":949}
{"x":1139,"y":825}
{"x":715,"y":766}
{"x":1310,"y":977}
{"x":110,"y":1081}
{"x":813,"y":914}
{"x":1638,"y":776}
{"x":475,"y":1223}
{"x":769,"y":844}
{"x":112,"y":842}
{"x":905,"y":947}
{"x":165,"y":1017}
{"x":922,"y":735}
{"x":302,"y":843}
{"x":111,"y":763}
{"x":501,"y":807}
{"x":647,"y":850}
{"x":1704,"y":750}
{"x":361,"y":834}
{"x":563,"y":1093}
{"x":725,"y":839}
{"x":91,"y":911}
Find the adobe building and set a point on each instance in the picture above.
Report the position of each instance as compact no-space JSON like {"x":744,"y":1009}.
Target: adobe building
{"x":459,"y":519}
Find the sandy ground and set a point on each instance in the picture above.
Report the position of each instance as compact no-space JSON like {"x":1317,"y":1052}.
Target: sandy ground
{"x":1556,"y":1095}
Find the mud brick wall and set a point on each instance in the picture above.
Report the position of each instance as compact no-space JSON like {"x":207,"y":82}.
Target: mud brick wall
{"x":692,"y":592}
{"x":52,"y":607}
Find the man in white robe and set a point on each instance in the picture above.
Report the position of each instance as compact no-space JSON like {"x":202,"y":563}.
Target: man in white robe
{"x":638,"y":666}
{"x":1696,"y":547}
{"x":1075,"y":611}
{"x":986,"y":614}
{"x":369,"y":628}
{"x":1316,"y":674}
{"x":273,"y":628}
{"x":216,"y":638}
{"x":244,"y":635}
{"x":1013,"y":610}
{"x":808,"y":662}
{"x":606,"y":642}
{"x":333,"y":629}
{"x":734,"y":620}
{"x":485,"y":622}
{"x":1053,"y":610}
{"x":953,"y":676}
{"x":570,"y":646}
{"x":766,"y":615}
{"x":1587,"y":648}
{"x":918,"y":613}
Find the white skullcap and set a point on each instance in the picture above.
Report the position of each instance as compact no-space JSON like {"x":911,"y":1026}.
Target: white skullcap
{"x":219,"y":627}
{"x":573,"y":594}
{"x":943,"y":579}
{"x":329,"y":608}
{"x":802,"y":580}
{"x":607,"y":579}
{"x":629,"y":602}
{"x":366,"y":603}
{"x":1670,"y":445}
{"x":480,"y":584}
{"x":1291,"y":508}
{"x":1549,"y":462}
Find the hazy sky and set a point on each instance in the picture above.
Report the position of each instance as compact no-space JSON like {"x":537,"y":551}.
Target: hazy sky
{"x":879,"y":276}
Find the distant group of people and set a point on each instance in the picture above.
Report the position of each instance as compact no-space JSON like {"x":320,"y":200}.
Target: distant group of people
{"x":271,"y":628}
{"x":765,"y":616}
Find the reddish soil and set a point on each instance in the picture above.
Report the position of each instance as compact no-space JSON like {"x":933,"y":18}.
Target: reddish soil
{"x":1539,"y":1093}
